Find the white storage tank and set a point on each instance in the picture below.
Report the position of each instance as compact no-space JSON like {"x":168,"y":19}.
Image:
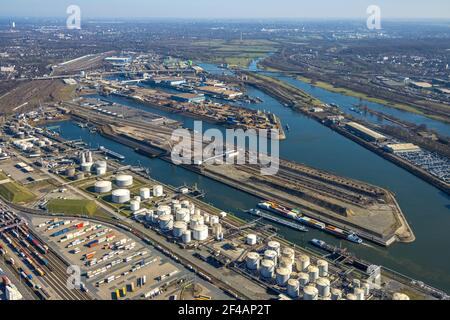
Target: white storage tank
{"x":359,"y":293}
{"x":313,"y":272}
{"x":100,"y":171}
{"x":101,"y":164}
{"x":135,"y":205}
{"x":144,"y":193}
{"x":336,"y":294}
{"x":124,"y":180}
{"x":185,"y":204}
{"x":356,"y":283}
{"x":351,"y":296}
{"x":252,"y":260}
{"x":323,"y":285}
{"x":86,"y":167}
{"x":214,"y":219}
{"x":400,"y":296}
{"x":163,"y":210}
{"x":288,"y":253}
{"x":178,"y":228}
{"x":282,"y":276}
{"x":206,"y":218}
{"x":286,"y":262}
{"x":275,"y":246}
{"x":270,"y":255}
{"x":323,"y":268}
{"x":293,"y":287}
{"x":303,"y":278}
{"x":196,"y":221}
{"x":303,"y":263}
{"x":251,"y":239}
{"x":267,"y":269}
{"x":103,"y":186}
{"x":182,"y":214}
{"x":158,"y":191}
{"x":310,"y":293}
{"x":200,"y":232}
{"x":121,"y":195}
{"x":366,"y":288}
{"x":186,"y":237}
{"x":166,"y":222}
{"x":217,"y":231}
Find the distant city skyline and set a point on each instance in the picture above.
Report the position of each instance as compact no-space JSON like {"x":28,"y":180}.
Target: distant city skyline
{"x":234,"y":9}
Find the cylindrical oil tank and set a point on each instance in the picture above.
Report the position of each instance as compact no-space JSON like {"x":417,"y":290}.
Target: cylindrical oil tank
{"x":178,"y":228}
{"x":267,"y":268}
{"x":400,"y":296}
{"x":101,"y":164}
{"x":303,"y":263}
{"x":286,"y":262}
{"x":214,"y":219}
{"x":100,"y":171}
{"x":121,"y":195}
{"x":206,"y":218}
{"x":323,"y":285}
{"x":186,"y":237}
{"x":137,"y":198}
{"x":158,"y":191}
{"x":103,"y":186}
{"x":336,"y":294}
{"x":176,"y":207}
{"x":79,"y":176}
{"x":310,"y":293}
{"x":217,"y":230}
{"x":350,"y":296}
{"x":70,"y":172}
{"x":293,"y":287}
{"x":144,"y":193}
{"x":323,"y":268}
{"x":275,"y":246}
{"x":200,"y":232}
{"x":271,"y":255}
{"x":124,"y":180}
{"x":196,"y":221}
{"x":366,"y":288}
{"x":288,"y":253}
{"x":282,"y":276}
{"x":251,"y":239}
{"x":166,"y":222}
{"x":303,"y":279}
{"x":185,"y":204}
{"x":182,"y":214}
{"x":252,"y":260}
{"x":359,"y":293}
{"x":356,"y":283}
{"x":163,"y":210}
{"x":135,"y":205}
{"x":313,"y":272}
{"x":197,"y":211}
{"x":86,"y":167}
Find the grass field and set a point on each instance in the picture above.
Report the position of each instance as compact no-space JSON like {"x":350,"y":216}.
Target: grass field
{"x":72,"y":206}
{"x":13,"y":192}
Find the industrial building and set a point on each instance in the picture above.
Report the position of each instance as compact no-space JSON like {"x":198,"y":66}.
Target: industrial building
{"x":364,"y":132}
{"x":401,"y":147}
{"x":188,"y":97}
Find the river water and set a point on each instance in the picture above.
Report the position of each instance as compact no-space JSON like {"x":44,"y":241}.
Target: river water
{"x":426,"y":208}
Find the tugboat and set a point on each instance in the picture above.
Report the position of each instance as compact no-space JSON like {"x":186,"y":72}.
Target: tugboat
{"x":288,"y":128}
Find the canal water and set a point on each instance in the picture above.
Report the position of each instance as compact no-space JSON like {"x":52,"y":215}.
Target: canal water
{"x":426,"y":208}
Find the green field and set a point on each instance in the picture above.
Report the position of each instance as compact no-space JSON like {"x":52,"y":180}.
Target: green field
{"x":71,"y":206}
{"x":13,"y":192}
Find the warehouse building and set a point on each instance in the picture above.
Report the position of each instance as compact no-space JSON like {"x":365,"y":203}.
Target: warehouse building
{"x":365,"y":133}
{"x":401,"y":147}
{"x":188,"y":97}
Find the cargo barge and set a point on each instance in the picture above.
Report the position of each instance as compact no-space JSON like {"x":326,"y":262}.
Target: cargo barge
{"x":299,"y":217}
{"x":272,"y":218}
{"x":112,"y":153}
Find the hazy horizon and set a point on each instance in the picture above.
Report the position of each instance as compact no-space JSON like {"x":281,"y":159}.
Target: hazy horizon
{"x":232,"y":9}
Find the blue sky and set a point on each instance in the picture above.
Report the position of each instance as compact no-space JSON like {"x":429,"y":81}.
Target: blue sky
{"x":228,"y":8}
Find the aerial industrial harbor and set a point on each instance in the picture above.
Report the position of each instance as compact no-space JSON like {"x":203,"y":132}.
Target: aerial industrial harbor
{"x":95,"y":203}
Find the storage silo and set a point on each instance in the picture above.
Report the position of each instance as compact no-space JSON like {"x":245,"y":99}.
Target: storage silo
{"x":214,"y":219}
{"x":303,"y":263}
{"x":103,"y":186}
{"x":200,"y":232}
{"x":206,"y":218}
{"x":217,"y":230}
{"x":288,"y":253}
{"x":252,"y":260}
{"x":166,"y":222}
{"x":267,"y":269}
{"x":303,"y":279}
{"x":251,"y":239}
{"x":144,"y":193}
{"x":124,"y":180}
{"x":158,"y":191}
{"x":135,"y":205}
{"x":400,"y":296}
{"x":185,"y":204}
{"x":359,"y":293}
{"x":163,"y":210}
{"x":275,"y":246}
{"x":79,"y":176}
{"x":323,"y":268}
{"x":121,"y":196}
{"x":310,"y":293}
{"x":293,"y":287}
{"x":366,"y":288}
{"x":313,"y":272}
{"x":86,"y":167}
{"x":70,"y":172}
{"x":186,"y":237}
{"x":182,"y":214}
{"x":178,"y":228}
{"x":351,"y":296}
{"x":196,"y":221}
{"x":323,"y":285}
{"x":282,"y":276}
{"x":271,"y":255}
{"x":100,"y":171}
{"x":336,"y":294}
{"x":286,"y":262}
